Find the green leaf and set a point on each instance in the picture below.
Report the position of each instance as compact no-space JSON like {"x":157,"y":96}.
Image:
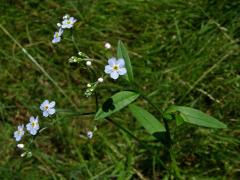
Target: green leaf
{"x":123,"y":53}
{"x":116,"y":103}
{"x":179,"y":119}
{"x":146,"y":119}
{"x":195,"y":116}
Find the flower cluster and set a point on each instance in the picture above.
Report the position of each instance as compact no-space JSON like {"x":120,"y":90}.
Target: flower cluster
{"x":115,"y":68}
{"x":81,"y":57}
{"x":47,"y":108}
{"x":67,"y":23}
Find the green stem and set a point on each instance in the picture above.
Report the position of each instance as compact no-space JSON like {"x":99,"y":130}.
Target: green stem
{"x":174,"y":165}
{"x":168,"y":146}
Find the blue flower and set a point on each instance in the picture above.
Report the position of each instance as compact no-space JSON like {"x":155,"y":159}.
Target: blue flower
{"x":115,"y":67}
{"x":19,"y":133}
{"x":33,"y":125}
{"x":48,"y":108}
{"x":68,"y":22}
{"x":57,"y":36}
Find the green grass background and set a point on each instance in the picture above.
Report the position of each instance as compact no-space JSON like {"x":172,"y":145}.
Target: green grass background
{"x":183,"y":52}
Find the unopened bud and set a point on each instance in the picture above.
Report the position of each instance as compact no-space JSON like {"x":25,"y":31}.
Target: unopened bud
{"x":107,"y":45}
{"x":100,"y":80}
{"x":88,"y":63}
{"x":20,"y":146}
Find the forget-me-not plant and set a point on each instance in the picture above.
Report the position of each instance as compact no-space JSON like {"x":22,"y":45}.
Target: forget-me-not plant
{"x":115,"y":67}
{"x":48,"y":108}
{"x":33,"y":125}
{"x":19,"y":133}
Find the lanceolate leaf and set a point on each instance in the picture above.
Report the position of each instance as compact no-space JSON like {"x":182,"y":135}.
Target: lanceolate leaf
{"x":123,"y":53}
{"x":116,"y":103}
{"x":197,"y":117}
{"x":146,"y":119}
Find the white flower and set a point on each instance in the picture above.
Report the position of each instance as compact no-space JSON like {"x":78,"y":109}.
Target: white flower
{"x":90,"y":134}
{"x":88,"y":63}
{"x":107,"y":45}
{"x":115,"y":67}
{"x":68,"y":22}
{"x":20,"y":146}
{"x":100,"y":80}
{"x":57,"y":36}
{"x":19,"y":133}
{"x":59,"y":24}
{"x":48,"y":108}
{"x":33,"y":125}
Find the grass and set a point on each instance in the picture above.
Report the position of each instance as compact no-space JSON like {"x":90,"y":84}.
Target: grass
{"x":183,"y":52}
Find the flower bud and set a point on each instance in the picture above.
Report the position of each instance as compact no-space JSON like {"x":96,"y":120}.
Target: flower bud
{"x":90,"y":134}
{"x":23,"y":154}
{"x":89,"y":85}
{"x":107,"y":45}
{"x":88,"y":63}
{"x":100,"y":80}
{"x":20,"y":146}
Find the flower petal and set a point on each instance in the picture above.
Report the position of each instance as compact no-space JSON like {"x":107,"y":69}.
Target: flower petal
{"x":17,"y":136}
{"x":32,"y":119}
{"x":52,"y":104}
{"x":37,"y":127}
{"x":20,"y":128}
{"x":108,"y":69}
{"x":114,"y":75}
{"x":28,"y":126}
{"x":122,"y":71}
{"x":72,"y":19}
{"x":46,"y":102}
{"x":56,"y":40}
{"x":51,"y":111}
{"x":121,"y":62}
{"x":112,"y":61}
{"x":45,"y":113}
{"x":41,"y":107}
{"x":33,"y":131}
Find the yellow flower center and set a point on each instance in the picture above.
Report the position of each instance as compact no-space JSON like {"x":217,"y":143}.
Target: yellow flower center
{"x":115,"y":67}
{"x":33,"y":124}
{"x":46,"y":107}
